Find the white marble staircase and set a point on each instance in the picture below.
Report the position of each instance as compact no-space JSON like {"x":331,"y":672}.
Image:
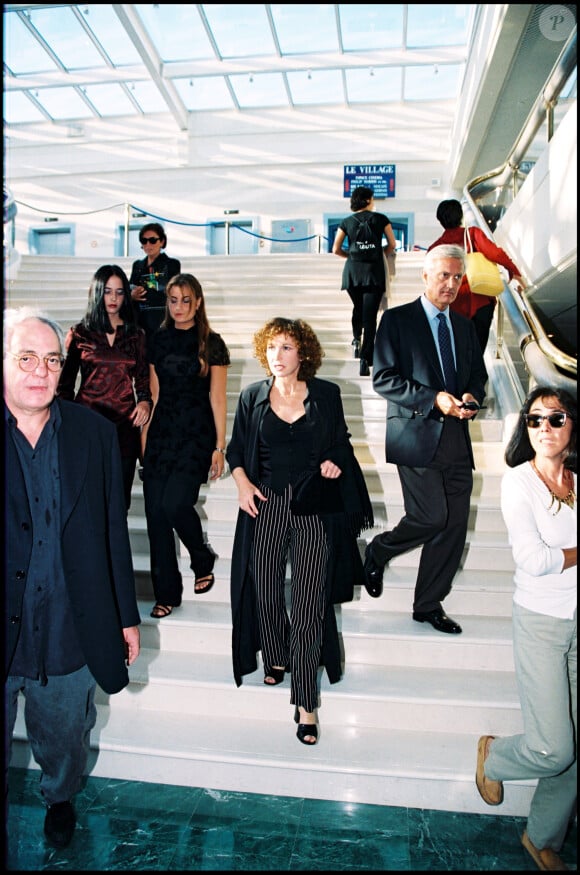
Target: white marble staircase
{"x":402,"y":725}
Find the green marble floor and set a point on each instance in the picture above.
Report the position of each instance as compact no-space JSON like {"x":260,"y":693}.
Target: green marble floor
{"x":128,"y":825}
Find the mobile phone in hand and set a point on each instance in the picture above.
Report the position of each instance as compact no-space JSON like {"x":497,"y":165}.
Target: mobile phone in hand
{"x":472,"y":405}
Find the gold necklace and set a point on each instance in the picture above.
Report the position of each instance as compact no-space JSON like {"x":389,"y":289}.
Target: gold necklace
{"x":568,"y":499}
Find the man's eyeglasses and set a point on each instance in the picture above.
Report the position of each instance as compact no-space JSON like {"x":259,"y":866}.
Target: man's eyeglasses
{"x":29,"y":361}
{"x":556,"y":420}
{"x":145,"y":240}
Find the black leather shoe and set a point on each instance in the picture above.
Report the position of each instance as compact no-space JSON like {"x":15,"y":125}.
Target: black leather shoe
{"x":356,"y":347}
{"x":373,"y":575}
{"x":364,"y":368}
{"x":439,"y":620}
{"x":59,"y":824}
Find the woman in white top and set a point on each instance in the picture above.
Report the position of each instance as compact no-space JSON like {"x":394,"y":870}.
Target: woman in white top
{"x":538,"y":501}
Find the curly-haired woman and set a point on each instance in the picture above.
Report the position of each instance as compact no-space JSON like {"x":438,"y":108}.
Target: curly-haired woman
{"x":301,"y":497}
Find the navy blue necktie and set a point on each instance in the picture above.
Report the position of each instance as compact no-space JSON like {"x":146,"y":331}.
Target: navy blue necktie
{"x":447,"y":355}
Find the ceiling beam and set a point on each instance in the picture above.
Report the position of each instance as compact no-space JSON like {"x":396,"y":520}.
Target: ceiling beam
{"x":151,"y":60}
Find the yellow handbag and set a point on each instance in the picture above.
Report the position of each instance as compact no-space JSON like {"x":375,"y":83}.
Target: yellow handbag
{"x":482,"y":274}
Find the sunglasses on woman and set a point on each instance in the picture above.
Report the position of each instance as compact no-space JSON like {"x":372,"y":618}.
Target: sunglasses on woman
{"x":150,"y":240}
{"x":555,"y":420}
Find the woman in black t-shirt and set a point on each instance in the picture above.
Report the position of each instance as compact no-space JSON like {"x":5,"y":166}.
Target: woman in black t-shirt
{"x":363,"y":275}
{"x":185,"y":439}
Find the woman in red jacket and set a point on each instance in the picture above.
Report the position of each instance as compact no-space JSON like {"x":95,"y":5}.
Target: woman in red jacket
{"x":478,"y":308}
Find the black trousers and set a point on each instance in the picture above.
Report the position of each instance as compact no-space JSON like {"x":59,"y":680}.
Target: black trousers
{"x":482,"y":320}
{"x":150,"y":319}
{"x":365,"y":307}
{"x":436,"y":500}
{"x":128,"y":464}
{"x":170,"y":507}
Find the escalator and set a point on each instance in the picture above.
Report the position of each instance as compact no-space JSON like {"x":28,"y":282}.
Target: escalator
{"x":528,"y":207}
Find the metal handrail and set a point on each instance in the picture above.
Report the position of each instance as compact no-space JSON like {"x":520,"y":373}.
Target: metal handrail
{"x":542,"y":358}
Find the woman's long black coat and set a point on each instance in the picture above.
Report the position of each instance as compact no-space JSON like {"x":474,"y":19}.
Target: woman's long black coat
{"x":345,"y":570}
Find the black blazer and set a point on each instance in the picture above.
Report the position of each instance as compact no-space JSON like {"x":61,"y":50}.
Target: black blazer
{"x":96,"y":550}
{"x":407,"y":373}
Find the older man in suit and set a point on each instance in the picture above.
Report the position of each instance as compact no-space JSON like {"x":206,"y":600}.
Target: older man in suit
{"x":428,"y":366}
{"x":71,"y":616}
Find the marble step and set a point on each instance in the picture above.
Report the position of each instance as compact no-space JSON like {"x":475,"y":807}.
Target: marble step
{"x":377,"y":635}
{"x":380,"y":697}
{"x":387,"y":509}
{"x":488,"y":456}
{"x":416,"y":768}
{"x":324,"y":271}
{"x":300,"y":270}
{"x":218,"y":501}
{"x":381,"y":478}
{"x":482,"y":593}
{"x":483,"y":550}
{"x":372,"y":429}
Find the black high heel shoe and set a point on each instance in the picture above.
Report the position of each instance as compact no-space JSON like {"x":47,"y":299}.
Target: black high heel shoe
{"x":305,"y":729}
{"x":277,"y":675}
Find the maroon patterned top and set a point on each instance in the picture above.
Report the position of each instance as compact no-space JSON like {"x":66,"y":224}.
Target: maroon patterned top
{"x":112,"y":378}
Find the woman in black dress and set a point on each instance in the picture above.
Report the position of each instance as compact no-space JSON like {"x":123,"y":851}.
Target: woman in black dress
{"x":185,"y":440}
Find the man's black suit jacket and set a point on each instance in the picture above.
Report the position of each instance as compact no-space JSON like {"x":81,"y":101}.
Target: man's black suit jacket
{"x":96,"y":551}
{"x":407,"y":373}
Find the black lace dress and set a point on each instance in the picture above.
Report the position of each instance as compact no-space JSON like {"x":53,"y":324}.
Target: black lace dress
{"x":182,"y":437}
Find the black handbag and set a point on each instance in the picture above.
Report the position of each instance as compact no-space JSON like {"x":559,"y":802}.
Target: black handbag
{"x":313,"y":494}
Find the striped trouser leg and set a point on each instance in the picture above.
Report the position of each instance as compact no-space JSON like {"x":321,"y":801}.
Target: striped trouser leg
{"x":279,"y":535}
{"x":309,"y":560}
{"x":269,"y":558}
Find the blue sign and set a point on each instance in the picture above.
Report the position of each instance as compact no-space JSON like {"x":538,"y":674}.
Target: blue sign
{"x":379,"y":177}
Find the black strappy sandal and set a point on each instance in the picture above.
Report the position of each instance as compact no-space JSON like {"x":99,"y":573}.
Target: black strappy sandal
{"x":160,"y":611}
{"x":203,"y":584}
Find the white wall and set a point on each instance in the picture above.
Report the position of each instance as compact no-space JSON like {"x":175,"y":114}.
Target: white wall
{"x":542,"y":223}
{"x":274,"y":164}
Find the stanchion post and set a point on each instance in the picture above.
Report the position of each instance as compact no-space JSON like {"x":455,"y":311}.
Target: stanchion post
{"x":126,"y":240}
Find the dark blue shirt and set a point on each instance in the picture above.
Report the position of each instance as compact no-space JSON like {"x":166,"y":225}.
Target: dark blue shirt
{"x":48,"y":643}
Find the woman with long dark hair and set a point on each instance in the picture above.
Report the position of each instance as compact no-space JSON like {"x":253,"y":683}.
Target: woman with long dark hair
{"x":108,"y":348}
{"x":185,"y":441}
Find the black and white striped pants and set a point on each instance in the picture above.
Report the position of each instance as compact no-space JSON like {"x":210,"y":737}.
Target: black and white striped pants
{"x":281,"y":535}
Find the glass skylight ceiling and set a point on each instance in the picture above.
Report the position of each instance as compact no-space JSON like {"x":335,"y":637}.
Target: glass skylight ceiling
{"x":69,"y":63}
